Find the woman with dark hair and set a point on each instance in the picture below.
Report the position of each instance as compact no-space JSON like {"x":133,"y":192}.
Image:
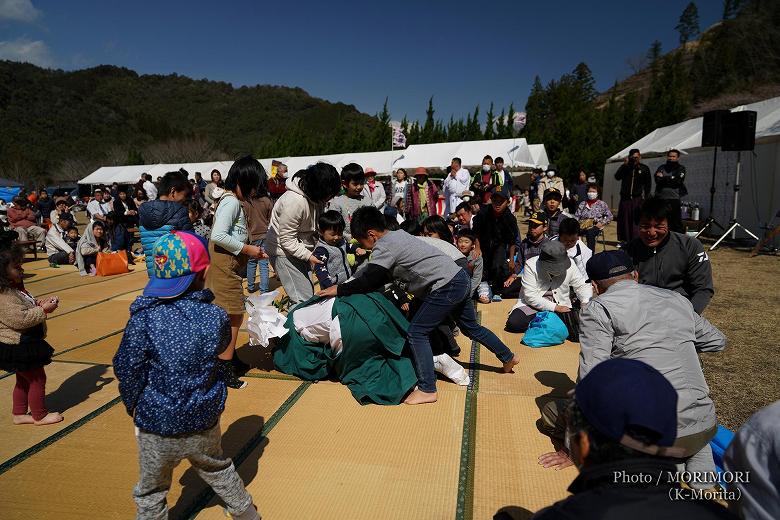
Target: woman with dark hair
{"x":437,"y":227}
{"x":216,"y":182}
{"x":118,"y":236}
{"x":140,"y":197}
{"x":292,"y":230}
{"x":125,"y":209}
{"x":93,"y":241}
{"x":229,"y":250}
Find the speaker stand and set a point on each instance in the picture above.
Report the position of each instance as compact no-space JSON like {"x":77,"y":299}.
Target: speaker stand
{"x":734,"y":207}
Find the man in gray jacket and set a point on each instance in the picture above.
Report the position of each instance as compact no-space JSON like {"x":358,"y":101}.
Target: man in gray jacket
{"x":660,"y":328}
{"x":670,"y":260}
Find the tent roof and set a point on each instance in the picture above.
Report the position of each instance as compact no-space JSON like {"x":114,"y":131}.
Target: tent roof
{"x":687,"y":135}
{"x":516,"y":152}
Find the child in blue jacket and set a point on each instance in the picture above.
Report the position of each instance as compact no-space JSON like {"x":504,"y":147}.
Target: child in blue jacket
{"x":164,"y":214}
{"x":170,"y":381}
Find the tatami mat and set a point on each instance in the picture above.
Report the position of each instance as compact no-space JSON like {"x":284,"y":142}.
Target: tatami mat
{"x":75,"y":390}
{"x":333,"y":458}
{"x":324,"y":455}
{"x":91,"y":471}
{"x":508,"y":445}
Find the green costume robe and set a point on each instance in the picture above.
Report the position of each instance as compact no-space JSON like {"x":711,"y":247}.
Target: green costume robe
{"x":373,"y":362}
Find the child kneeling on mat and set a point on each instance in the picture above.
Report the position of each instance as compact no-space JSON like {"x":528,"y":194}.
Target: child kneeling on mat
{"x":170,"y":380}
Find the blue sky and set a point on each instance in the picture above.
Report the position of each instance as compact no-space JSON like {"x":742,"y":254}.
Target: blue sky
{"x":462,"y":53}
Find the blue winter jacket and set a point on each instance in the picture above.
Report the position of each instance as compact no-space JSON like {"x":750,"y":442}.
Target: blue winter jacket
{"x":167,"y":363}
{"x":156,"y":218}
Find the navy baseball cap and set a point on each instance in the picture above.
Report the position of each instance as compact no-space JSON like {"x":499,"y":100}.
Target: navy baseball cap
{"x":609,"y":264}
{"x":619,"y":393}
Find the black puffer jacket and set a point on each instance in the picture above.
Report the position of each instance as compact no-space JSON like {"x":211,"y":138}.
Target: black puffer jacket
{"x":158,"y":217}
{"x":605,"y":492}
{"x":158,"y":213}
{"x":679,"y":264}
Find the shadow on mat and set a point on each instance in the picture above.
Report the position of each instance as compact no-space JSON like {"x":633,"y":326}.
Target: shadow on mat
{"x":77,"y":388}
{"x":512,"y":513}
{"x":560,"y":384}
{"x":258,"y":357}
{"x":234,"y":440}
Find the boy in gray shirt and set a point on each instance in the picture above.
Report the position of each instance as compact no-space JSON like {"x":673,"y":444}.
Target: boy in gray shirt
{"x":433,"y":277}
{"x":352,"y":179}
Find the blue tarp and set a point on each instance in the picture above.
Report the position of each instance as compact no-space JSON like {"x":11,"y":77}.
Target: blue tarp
{"x":7,"y":194}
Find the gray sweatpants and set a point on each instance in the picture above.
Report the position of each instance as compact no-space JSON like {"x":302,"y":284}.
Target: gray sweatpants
{"x":294,"y":276}
{"x":158,"y":457}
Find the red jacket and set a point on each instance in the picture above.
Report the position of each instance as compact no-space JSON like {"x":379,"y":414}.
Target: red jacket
{"x":23,"y":218}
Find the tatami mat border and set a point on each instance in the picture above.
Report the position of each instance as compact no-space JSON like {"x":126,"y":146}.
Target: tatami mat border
{"x":21,"y":457}
{"x":465,"y":505}
{"x":207,"y":495}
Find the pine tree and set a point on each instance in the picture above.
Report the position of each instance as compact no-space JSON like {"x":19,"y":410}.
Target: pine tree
{"x":501,"y":126}
{"x":473,"y":132}
{"x":510,"y":121}
{"x":489,"y":133}
{"x":586,"y":83}
{"x":731,"y":8}
{"x":688,"y":25}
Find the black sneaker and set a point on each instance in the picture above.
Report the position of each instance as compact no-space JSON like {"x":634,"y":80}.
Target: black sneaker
{"x":229,"y":375}
{"x":239,"y":367}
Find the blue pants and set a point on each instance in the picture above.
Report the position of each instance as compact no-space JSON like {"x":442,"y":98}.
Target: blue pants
{"x":451,"y":300}
{"x":251,"y":270}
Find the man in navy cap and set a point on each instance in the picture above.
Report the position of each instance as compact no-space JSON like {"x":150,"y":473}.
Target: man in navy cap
{"x":658,"y":327}
{"x":620,"y":430}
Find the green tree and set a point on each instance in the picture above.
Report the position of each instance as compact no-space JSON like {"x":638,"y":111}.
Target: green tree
{"x":510,"y":121}
{"x":731,"y":8}
{"x":489,"y":133}
{"x":688,"y":25}
{"x":473,"y":131}
{"x":501,"y":126}
{"x":429,"y":128}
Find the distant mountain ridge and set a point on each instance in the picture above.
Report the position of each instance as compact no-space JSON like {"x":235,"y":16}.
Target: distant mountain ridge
{"x":58,"y":124}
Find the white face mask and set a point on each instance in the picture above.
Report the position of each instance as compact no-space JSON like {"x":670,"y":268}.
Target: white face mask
{"x":485,"y":167}
{"x":592,"y":195}
{"x":551,"y":174}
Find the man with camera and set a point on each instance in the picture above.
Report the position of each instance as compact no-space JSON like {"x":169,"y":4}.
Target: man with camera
{"x":635,"y":184}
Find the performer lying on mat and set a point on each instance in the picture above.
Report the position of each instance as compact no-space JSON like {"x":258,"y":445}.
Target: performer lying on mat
{"x":434,"y":277}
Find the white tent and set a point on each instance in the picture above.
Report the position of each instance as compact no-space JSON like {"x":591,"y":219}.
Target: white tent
{"x":516,"y":153}
{"x":759,"y":196}
{"x":131,"y":174}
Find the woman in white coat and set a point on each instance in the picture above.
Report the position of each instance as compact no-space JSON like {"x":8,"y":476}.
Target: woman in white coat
{"x":547,"y":281}
{"x":292,"y":230}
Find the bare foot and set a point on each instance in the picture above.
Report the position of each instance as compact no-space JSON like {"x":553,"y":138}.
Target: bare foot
{"x":419,"y":397}
{"x":23,"y":419}
{"x":50,"y":418}
{"x":509,"y":365}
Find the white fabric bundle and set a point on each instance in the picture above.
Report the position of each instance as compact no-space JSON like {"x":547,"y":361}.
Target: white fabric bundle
{"x":316,"y":323}
{"x":265,"y":321}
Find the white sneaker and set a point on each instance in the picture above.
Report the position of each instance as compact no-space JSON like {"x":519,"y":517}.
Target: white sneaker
{"x":450,"y":369}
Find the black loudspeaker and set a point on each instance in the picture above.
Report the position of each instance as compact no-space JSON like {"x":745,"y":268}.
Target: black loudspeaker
{"x":738,"y":131}
{"x":712,"y":127}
